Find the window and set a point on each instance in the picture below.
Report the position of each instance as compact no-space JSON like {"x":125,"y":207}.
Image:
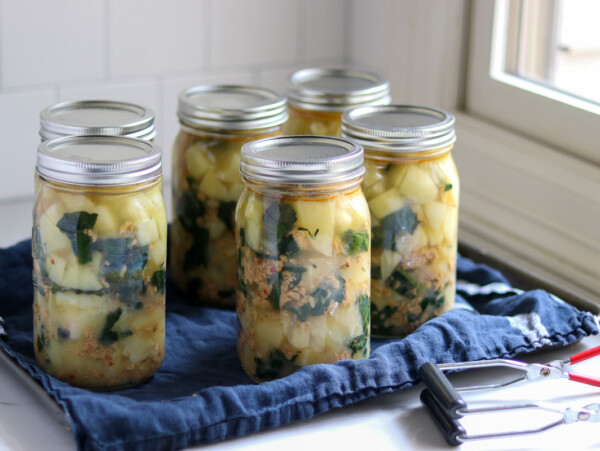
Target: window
{"x":534,"y":68}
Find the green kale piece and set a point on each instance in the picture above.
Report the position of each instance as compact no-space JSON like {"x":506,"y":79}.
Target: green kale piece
{"x":323,"y":295}
{"x":55,"y":288}
{"x":123,"y":267}
{"x":364,"y":306}
{"x":109,"y":336}
{"x":432,"y":298}
{"x":403,"y":283}
{"x":226,"y":213}
{"x":312,"y":235}
{"x":375,"y":272}
{"x":76,"y":226}
{"x":197,"y":254}
{"x":379,"y":317}
{"x":159,"y":280}
{"x":296,"y":271}
{"x":42,"y":339}
{"x":276,"y":365}
{"x":359,"y":343}
{"x":63,"y":333}
{"x":189,"y":208}
{"x":275,"y":282}
{"x":447,"y":186}
{"x":399,"y":221}
{"x":279,"y":219}
{"x":287,"y":246}
{"x":355,"y":242}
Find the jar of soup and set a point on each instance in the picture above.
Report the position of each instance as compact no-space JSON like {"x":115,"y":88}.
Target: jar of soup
{"x":412,"y":188}
{"x":215,"y":122}
{"x":97,"y":117}
{"x":317,"y":97}
{"x":99,"y":255}
{"x":303,"y":255}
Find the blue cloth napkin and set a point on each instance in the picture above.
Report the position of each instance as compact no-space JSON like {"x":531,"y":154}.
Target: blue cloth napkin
{"x":201,"y":394}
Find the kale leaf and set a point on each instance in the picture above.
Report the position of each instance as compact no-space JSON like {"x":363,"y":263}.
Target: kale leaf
{"x":359,"y":343}
{"x":296,"y":271}
{"x":379,"y":317}
{"x":355,"y":242}
{"x":76,"y":226}
{"x":197,"y":254}
{"x":226,"y":213}
{"x":42,"y":339}
{"x":400,"y":221}
{"x":279,"y":219}
{"x":323,"y":295}
{"x":403,"y":283}
{"x":109,"y":336}
{"x":189,"y":208}
{"x":123,"y":266}
{"x":276,"y":365}
{"x":159,"y":280}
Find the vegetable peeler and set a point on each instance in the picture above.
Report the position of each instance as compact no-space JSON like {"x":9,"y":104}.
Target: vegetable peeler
{"x":447,"y":406}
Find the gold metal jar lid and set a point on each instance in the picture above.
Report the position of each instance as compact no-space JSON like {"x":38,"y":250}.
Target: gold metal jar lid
{"x":336,"y":89}
{"x":231,"y":107}
{"x":97,"y":117}
{"x":99,"y":160}
{"x":306,"y":160}
{"x":399,"y":128}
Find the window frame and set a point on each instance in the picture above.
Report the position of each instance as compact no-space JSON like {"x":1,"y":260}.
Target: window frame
{"x":562,"y":121}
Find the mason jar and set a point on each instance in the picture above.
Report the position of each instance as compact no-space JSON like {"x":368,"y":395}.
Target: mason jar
{"x":303,"y":255}
{"x":215,"y":122}
{"x":99,"y":256}
{"x":97,"y":117}
{"x":317,"y":97}
{"x":412,"y":187}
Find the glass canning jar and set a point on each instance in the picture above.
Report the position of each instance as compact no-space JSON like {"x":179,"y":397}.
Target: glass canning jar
{"x":99,"y":255}
{"x":317,"y":97}
{"x":97,"y":117}
{"x":412,"y":187}
{"x":303,"y":255}
{"x":215,"y":122}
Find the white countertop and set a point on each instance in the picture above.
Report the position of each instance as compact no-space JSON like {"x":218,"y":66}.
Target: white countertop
{"x":389,"y":422}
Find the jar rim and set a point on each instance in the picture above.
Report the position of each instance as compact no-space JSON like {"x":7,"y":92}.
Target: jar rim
{"x":99,"y":160}
{"x":231,"y":107}
{"x":336,"y":89}
{"x":399,"y":128}
{"x":97,"y":117}
{"x":306,"y":160}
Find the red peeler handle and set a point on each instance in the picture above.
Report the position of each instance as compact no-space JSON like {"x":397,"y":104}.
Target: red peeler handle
{"x":584,"y":379}
{"x":585,"y":355}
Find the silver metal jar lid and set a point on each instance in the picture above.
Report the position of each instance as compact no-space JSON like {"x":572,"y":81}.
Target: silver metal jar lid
{"x":400,"y":128}
{"x":99,"y":160}
{"x":336,"y":89}
{"x":97,"y":117}
{"x":231,"y":107}
{"x":306,"y":160}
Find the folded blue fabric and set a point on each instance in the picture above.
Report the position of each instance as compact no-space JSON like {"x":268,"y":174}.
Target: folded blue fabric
{"x":201,"y":394}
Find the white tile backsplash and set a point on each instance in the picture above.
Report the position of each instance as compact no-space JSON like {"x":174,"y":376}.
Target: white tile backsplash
{"x":19,"y":127}
{"x":325,"y":28}
{"x":147,"y":51}
{"x":46,"y":42}
{"x":254,"y":33}
{"x":149,"y":37}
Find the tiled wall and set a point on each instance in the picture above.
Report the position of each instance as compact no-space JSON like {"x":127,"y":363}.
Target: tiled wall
{"x":146,"y":51}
